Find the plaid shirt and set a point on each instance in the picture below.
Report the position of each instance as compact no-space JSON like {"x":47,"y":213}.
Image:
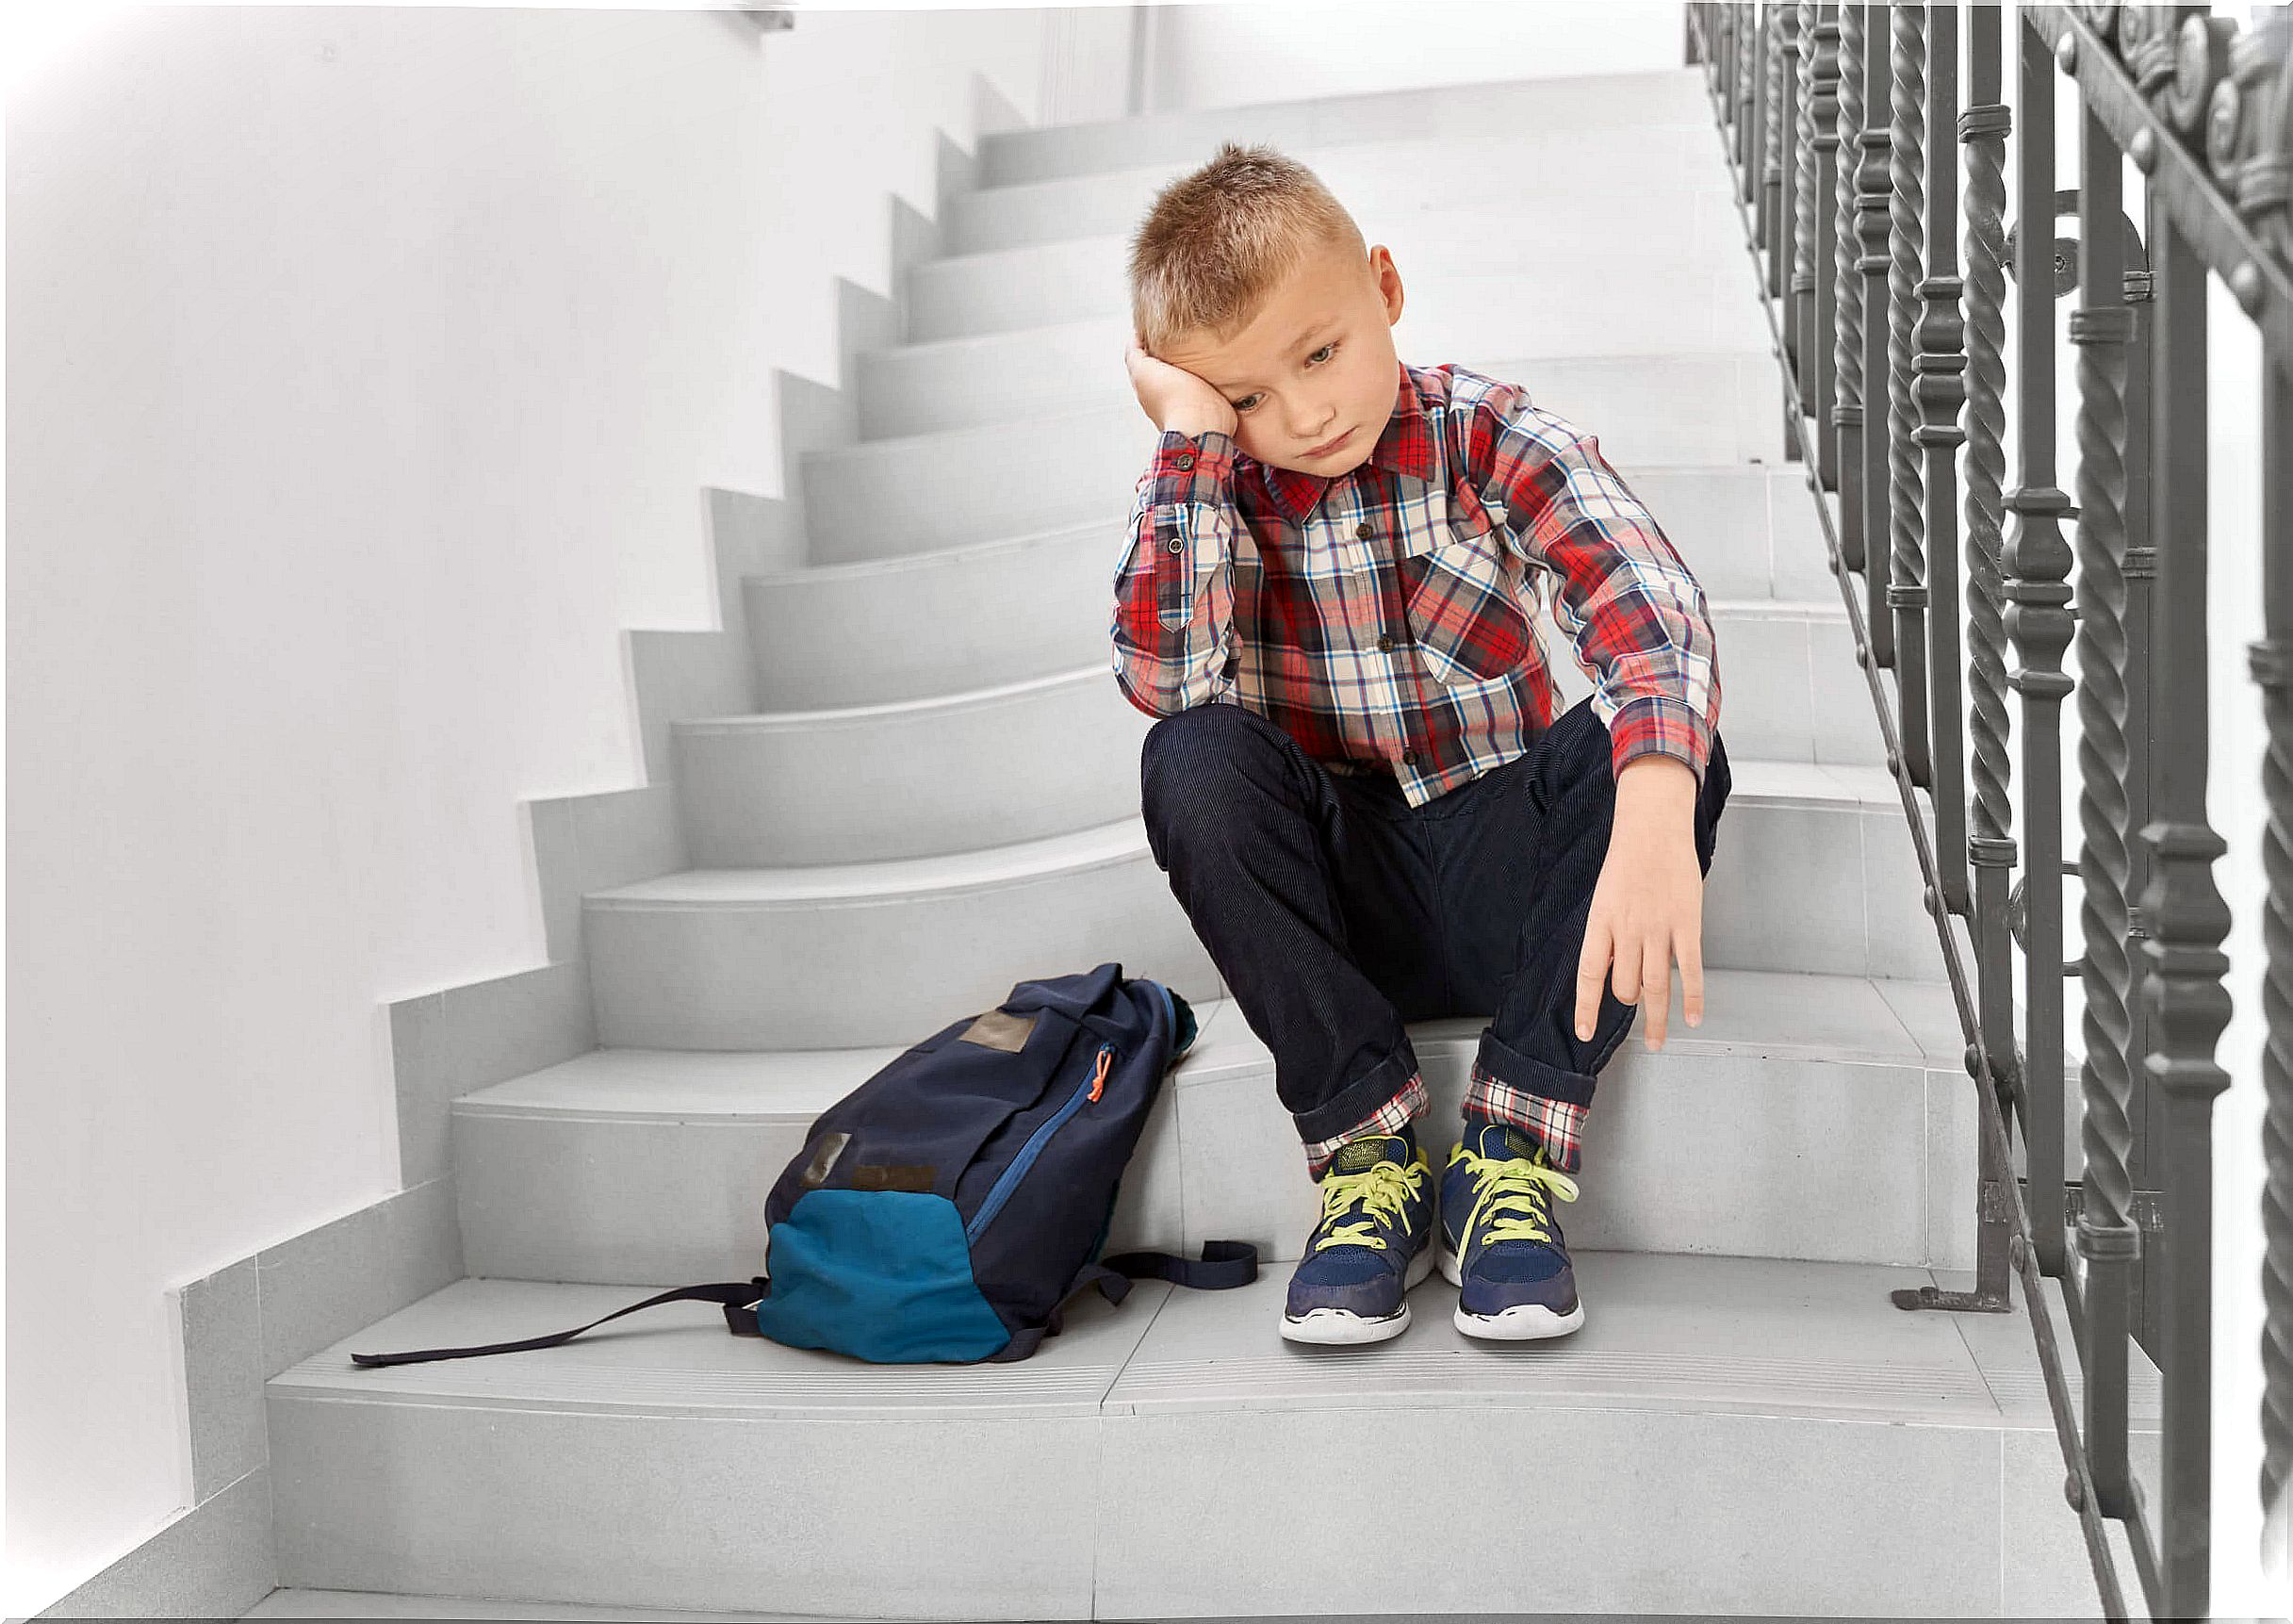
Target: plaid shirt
{"x":1385,"y":618}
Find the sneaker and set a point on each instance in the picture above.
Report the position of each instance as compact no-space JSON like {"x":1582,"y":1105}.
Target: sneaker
{"x":1500,"y":1245}
{"x":1374,"y":1241}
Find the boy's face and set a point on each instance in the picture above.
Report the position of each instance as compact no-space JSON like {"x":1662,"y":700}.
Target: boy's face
{"x":1316,"y":361}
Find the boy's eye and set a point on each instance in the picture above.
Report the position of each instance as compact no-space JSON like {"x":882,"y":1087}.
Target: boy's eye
{"x":1245,"y":403}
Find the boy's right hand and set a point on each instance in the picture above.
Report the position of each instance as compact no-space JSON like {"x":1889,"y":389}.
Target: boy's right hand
{"x":1173,"y":397}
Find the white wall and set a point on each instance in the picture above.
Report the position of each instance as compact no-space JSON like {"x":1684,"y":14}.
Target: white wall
{"x":364,"y":366}
{"x":1228,"y":51}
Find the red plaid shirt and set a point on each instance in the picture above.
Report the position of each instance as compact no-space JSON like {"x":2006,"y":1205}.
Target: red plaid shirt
{"x":1383,"y":619}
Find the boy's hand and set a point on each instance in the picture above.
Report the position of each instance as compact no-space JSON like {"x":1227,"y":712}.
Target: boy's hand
{"x":1648,"y":902}
{"x":1173,"y":397}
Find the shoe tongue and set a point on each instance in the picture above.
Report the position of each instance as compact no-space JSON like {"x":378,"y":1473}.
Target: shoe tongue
{"x":1359,"y":1155}
{"x":1502,"y":1141}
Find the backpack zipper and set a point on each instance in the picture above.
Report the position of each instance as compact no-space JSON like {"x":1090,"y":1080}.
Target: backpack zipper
{"x":1089,"y":1089}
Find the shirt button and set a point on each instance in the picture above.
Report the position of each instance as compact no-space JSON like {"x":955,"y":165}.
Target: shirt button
{"x":1384,"y":641}
{"x":1365,"y":529}
{"x":1184,"y":459}
{"x":1410,"y":757}
{"x":1177,"y":545}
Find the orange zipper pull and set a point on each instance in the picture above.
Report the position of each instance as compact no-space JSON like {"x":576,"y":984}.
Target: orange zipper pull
{"x":1098,"y":1082}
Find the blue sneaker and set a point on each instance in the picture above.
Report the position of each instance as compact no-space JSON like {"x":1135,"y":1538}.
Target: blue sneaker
{"x":1500,"y":1245}
{"x":1374,"y":1241}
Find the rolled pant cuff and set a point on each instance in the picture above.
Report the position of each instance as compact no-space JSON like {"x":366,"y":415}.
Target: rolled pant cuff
{"x":1540,"y":1098}
{"x":1369,"y":1098}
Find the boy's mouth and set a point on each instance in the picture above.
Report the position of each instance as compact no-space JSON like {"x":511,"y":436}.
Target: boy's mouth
{"x":1328,"y":446}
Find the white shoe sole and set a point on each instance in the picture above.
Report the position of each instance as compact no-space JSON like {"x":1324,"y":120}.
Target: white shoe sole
{"x":1339,"y":1327}
{"x":1523,"y":1322}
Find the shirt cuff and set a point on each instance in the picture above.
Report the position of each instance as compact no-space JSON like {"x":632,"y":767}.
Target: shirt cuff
{"x":1655,"y":726}
{"x":1192,"y":469}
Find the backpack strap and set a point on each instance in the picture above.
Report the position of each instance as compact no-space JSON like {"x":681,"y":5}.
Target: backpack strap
{"x":1224,"y":1265}
{"x":739,"y":1297}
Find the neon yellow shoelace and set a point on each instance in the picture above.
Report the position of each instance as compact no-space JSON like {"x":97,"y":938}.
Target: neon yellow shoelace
{"x":1382,"y":1186}
{"x":1512,"y":1194}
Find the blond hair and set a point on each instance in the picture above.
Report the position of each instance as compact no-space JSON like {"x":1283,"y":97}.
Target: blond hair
{"x":1218,"y":241}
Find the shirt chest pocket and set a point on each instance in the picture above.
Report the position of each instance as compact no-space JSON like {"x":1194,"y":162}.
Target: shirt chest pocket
{"x":1463,"y":594}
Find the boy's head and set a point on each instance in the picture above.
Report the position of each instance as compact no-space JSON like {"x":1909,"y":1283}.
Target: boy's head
{"x":1249,"y":274}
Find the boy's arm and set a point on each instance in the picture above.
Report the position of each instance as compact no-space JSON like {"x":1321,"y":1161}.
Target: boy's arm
{"x":1641,"y":630}
{"x":1634,"y":612}
{"x":1173,"y":610}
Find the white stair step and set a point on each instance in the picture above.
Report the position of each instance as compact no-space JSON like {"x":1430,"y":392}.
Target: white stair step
{"x":290,"y":1603}
{"x":1809,"y":1116}
{"x":1813,"y":870}
{"x":1564,"y":249}
{"x":1804,"y":1446}
{"x":1682,"y":406}
{"x":941,"y":619}
{"x":1623,"y":103}
{"x":887,"y":499}
{"x":1500,"y":297}
{"x":903,"y":779}
{"x":1521,"y":168}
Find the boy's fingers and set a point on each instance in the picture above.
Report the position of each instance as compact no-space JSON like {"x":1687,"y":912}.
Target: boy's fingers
{"x":1692,"y":980}
{"x":1592,"y":969}
{"x":1656,"y":987}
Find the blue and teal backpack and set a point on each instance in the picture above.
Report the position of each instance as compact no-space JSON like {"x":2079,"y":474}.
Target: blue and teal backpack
{"x":948,"y":1207}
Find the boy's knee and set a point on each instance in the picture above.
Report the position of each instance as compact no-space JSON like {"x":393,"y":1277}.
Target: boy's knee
{"x":1185,"y":751}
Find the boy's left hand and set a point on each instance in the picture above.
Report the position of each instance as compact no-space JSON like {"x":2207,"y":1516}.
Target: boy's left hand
{"x":1649,"y":903}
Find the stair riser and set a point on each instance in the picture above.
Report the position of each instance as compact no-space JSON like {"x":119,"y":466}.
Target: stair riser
{"x":938,"y":624}
{"x":871,"y":787}
{"x":1584,"y":177}
{"x":1648,"y":410}
{"x":1685,"y":1152}
{"x":1620,"y":102}
{"x":1500,"y":299}
{"x":1806,"y":887}
{"x":681,"y":1510}
{"x":1079,"y":276}
{"x":896,"y":499}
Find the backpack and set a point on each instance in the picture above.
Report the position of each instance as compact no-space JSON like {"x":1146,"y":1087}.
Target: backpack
{"x":948,"y":1207}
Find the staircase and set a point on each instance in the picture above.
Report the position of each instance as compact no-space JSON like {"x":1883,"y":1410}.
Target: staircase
{"x":940,"y":797}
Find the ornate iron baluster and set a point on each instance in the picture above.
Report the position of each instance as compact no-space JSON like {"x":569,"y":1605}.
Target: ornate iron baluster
{"x":2273,"y":667}
{"x":1941,"y":389}
{"x":2108,"y":1240}
{"x":1983,"y":128}
{"x":1871,"y":229}
{"x":1771,"y":151}
{"x":1907,"y":203}
{"x":2038,"y":620}
{"x":1847,"y":291}
{"x":1817,"y":343}
{"x":2187,"y":1003}
{"x":1799,"y":311}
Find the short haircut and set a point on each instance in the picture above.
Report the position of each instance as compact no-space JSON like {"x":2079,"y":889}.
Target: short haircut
{"x":1218,"y":241}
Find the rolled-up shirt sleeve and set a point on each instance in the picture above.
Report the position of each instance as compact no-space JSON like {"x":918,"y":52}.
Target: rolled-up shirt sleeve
{"x":1634,"y":614}
{"x":1172,"y":623}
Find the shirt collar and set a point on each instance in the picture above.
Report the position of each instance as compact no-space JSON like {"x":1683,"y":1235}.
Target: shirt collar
{"x":1405,"y":447}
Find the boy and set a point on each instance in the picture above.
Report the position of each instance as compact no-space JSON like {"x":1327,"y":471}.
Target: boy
{"x":1356,"y":785}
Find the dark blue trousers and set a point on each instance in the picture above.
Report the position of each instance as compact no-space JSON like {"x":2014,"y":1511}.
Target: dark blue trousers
{"x":1336,"y":913}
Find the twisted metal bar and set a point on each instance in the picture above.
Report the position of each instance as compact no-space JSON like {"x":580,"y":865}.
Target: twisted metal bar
{"x":1906,"y":592}
{"x":1798,"y":313}
{"x":2274,"y":670}
{"x":1941,"y":389}
{"x":1847,"y":285}
{"x":1871,"y":204}
{"x":1822,"y":308}
{"x":2106,"y":1236}
{"x":1983,"y":128}
{"x":1770,"y":150}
